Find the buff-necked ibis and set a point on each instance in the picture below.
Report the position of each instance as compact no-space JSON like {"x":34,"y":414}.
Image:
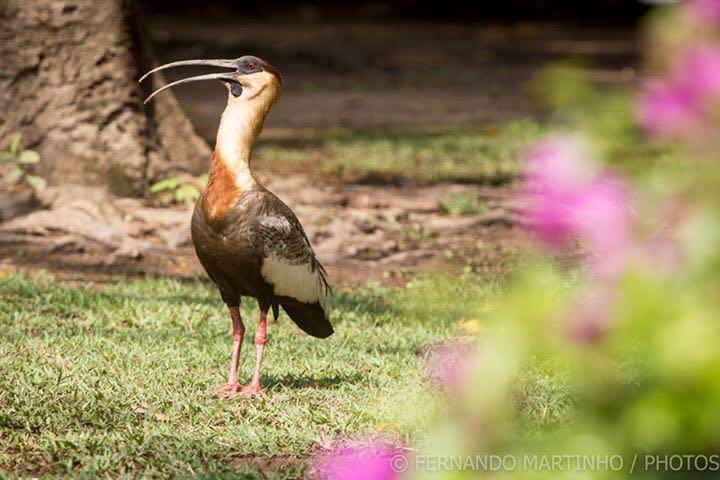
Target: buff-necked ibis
{"x":249,"y":242}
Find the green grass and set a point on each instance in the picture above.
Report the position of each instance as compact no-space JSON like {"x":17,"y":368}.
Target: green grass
{"x":121,"y":381}
{"x":465,"y":203}
{"x":484,"y":156}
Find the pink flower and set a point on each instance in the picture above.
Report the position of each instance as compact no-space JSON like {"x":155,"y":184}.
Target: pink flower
{"x":665,"y":109}
{"x":699,"y":69}
{"x":705,"y":10}
{"x":568,"y":199}
{"x":447,"y":363}
{"x":558,"y":170}
{"x":687,"y":98}
{"x":601,"y":217}
{"x":358,"y":461}
{"x":559,"y":163}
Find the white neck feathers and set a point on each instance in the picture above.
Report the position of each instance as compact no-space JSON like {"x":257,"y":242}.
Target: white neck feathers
{"x":239,"y":127}
{"x":241,"y":124}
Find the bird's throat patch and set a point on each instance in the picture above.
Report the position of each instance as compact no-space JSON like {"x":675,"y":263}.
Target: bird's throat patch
{"x":236,"y":89}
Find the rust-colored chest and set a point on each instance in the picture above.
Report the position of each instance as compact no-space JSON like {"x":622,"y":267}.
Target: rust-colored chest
{"x":221,"y":192}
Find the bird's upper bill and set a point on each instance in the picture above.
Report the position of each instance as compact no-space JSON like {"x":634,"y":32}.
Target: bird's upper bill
{"x":239,"y":67}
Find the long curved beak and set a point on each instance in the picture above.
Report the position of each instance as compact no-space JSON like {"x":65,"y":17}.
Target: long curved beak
{"x":227,"y":76}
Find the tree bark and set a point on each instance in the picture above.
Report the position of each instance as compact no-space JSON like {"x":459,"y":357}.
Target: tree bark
{"x":68,"y":83}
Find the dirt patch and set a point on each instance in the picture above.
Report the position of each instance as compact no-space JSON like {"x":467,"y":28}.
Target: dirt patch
{"x":360,"y":232}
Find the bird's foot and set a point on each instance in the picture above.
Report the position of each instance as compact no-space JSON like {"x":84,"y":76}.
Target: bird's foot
{"x":232,"y":387}
{"x":253,"y":389}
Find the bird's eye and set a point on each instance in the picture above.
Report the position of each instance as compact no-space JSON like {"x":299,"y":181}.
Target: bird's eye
{"x":251,"y":66}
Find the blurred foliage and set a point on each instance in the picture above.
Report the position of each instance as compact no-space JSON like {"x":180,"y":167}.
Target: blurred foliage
{"x":605,"y":116}
{"x":22,"y":162}
{"x":641,"y":377}
{"x":179,"y":189}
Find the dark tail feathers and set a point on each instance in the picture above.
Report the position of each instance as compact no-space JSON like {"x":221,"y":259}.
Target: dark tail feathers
{"x":309,"y":317}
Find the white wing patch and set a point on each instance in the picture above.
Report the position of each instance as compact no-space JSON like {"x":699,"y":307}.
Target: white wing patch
{"x":297,"y":281}
{"x":289,"y":263}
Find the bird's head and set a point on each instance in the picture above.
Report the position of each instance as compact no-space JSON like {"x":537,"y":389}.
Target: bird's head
{"x":249,"y":78}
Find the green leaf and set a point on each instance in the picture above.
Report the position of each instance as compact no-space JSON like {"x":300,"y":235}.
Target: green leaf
{"x":186,"y":193}
{"x":38,"y":183}
{"x":7,"y":157}
{"x":14,"y":176}
{"x":28,"y":156}
{"x":167,"y":184}
{"x":15,"y":142}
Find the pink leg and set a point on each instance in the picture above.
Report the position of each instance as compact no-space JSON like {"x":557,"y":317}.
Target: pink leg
{"x":232,"y":385}
{"x":260,"y":339}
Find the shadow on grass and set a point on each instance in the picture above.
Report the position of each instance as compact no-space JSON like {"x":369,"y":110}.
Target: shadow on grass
{"x":396,"y":135}
{"x":32,"y":290}
{"x":278,"y":382}
{"x":369,"y":301}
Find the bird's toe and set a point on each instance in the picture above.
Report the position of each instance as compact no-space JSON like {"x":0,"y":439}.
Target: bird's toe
{"x":231,"y":387}
{"x":251,"y":390}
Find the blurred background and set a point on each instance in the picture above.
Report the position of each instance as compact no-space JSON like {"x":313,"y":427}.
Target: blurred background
{"x":398,"y":138}
{"x":406,"y":65}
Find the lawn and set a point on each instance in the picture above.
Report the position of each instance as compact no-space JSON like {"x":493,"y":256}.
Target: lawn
{"x":492,"y":155}
{"x":121,"y":380}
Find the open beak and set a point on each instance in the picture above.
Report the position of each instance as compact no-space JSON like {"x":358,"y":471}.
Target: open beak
{"x":227,"y":76}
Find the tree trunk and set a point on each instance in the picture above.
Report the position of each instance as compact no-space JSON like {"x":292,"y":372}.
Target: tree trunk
{"x":68,"y":83}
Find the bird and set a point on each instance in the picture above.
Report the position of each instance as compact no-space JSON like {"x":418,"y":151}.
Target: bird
{"x":249,"y":242}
